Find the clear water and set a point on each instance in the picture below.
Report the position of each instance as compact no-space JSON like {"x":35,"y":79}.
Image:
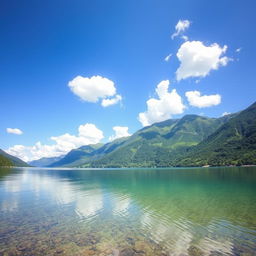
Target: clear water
{"x":193,"y":211}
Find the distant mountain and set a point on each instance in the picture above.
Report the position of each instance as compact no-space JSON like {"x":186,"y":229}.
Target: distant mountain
{"x":155,"y":145}
{"x":190,"y":141}
{"x":15,"y":161}
{"x":86,"y":154}
{"x":150,"y":146}
{"x":77,"y":156}
{"x":45,"y":161}
{"x":234,"y":143}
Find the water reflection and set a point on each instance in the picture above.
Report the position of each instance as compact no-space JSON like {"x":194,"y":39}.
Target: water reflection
{"x":121,"y":204}
{"x":151,"y":212}
{"x":89,"y":204}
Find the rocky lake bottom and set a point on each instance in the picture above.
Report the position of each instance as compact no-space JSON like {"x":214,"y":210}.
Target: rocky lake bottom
{"x":125,"y":212}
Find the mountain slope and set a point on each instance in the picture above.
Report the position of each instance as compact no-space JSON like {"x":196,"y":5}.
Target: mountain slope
{"x":14,"y":160}
{"x":190,"y":141}
{"x":156,"y":144}
{"x":234,"y":143}
{"x":45,"y":161}
{"x":76,"y":156}
{"x":5,"y":161}
{"x":150,"y":146}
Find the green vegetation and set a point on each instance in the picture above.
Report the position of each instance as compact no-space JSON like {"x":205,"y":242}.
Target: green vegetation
{"x":157,"y":144}
{"x":5,"y":161}
{"x":190,"y":141}
{"x":77,"y":156}
{"x":234,"y":143}
{"x":12,"y":160}
{"x":150,"y":146}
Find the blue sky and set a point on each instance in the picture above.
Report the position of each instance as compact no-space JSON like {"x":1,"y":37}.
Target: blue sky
{"x":45,"y":45}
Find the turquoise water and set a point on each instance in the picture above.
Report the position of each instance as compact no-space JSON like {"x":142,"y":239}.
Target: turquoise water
{"x":193,"y":211}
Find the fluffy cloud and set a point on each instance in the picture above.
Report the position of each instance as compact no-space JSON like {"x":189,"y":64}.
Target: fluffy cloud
{"x":91,"y":133}
{"x":94,"y":89}
{"x":168,"y":104}
{"x":196,"y":100}
{"x":87,"y":134}
{"x":120,"y":131}
{"x":14,"y":131}
{"x":111,"y":101}
{"x":29,"y":153}
{"x":180,"y":27}
{"x":197,"y":60}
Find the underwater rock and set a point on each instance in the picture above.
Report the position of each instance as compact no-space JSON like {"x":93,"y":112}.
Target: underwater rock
{"x":194,"y":251}
{"x":127,"y":252}
{"x":88,"y":252}
{"x":130,"y":240}
{"x":142,"y":247}
{"x":115,"y":252}
{"x":59,"y":251}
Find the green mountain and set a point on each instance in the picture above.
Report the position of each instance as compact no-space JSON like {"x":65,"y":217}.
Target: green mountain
{"x":234,"y":143}
{"x":4,"y":161}
{"x":77,"y":156}
{"x":190,"y":141}
{"x":45,"y":161}
{"x":150,"y":146}
{"x":15,"y":161}
{"x":156,"y":144}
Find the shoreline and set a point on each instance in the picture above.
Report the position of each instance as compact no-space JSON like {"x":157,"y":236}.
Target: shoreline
{"x":108,"y":168}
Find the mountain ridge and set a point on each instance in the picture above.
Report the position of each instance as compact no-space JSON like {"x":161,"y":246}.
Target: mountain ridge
{"x":151,"y":142}
{"x":45,"y":161}
{"x":234,"y":143}
{"x":160,"y":141}
{"x":192,"y":140}
{"x":15,"y":161}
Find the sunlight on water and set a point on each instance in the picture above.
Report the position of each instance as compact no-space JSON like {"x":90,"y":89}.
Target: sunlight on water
{"x":197,"y":211}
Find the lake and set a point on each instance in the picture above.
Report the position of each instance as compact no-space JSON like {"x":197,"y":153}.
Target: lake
{"x":176,"y":211}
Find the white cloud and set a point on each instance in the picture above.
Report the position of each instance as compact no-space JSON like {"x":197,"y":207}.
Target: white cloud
{"x":197,"y":60}
{"x":87,"y":134}
{"x":111,"y":101}
{"x":180,"y":27}
{"x":196,"y":100}
{"x":168,"y":104}
{"x":94,"y":89}
{"x":14,"y":131}
{"x":120,"y":131}
{"x":167,"y":58}
{"x":90,"y":132}
{"x":239,"y":49}
{"x":225,"y":113}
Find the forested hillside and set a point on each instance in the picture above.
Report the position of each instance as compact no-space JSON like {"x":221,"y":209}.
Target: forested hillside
{"x":190,"y":141}
{"x":234,"y":143}
{"x":12,"y":160}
